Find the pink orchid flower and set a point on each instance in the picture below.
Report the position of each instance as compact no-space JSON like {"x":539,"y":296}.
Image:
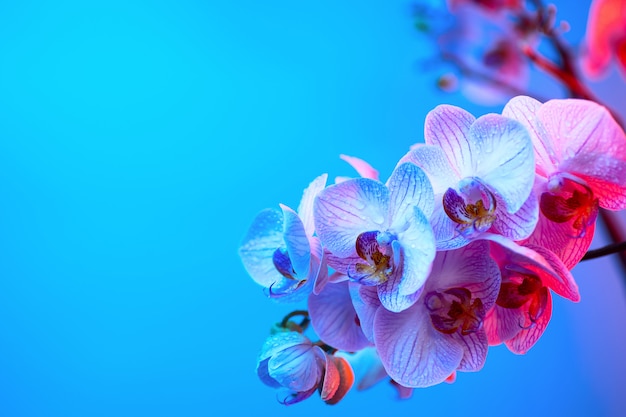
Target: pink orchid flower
{"x":490,"y":5}
{"x":442,"y":332}
{"x":379,"y":234}
{"x":581,"y":165}
{"x":281,"y":253}
{"x":482,"y":173}
{"x":605,"y":37}
{"x":524,"y":304}
{"x":290,"y":361}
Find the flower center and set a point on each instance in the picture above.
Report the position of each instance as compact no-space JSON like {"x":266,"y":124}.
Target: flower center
{"x":374,"y":247}
{"x":454,"y":309}
{"x":569,"y":199}
{"x":473,"y":210}
{"x":523,"y":288}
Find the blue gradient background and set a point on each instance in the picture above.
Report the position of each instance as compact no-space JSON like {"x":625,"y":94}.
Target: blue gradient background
{"x":138,"y":139}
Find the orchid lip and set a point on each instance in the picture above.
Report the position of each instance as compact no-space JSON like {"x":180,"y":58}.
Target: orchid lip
{"x":472,"y":208}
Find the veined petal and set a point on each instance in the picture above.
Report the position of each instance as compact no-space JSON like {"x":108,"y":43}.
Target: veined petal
{"x":258,"y":246}
{"x":319,"y":267}
{"x":434,"y":162}
{"x":331,"y":378}
{"x":345,"y":210}
{"x":501,"y":324}
{"x":557,"y":277}
{"x":297,"y":367}
{"x":364,"y":169}
{"x":418,"y":246}
{"x":390,"y":295}
{"x":605,"y":175}
{"x":475,"y":348}
{"x":334,"y":318}
{"x":296,"y":241}
{"x":562,"y":239}
{"x":448,"y":127}
{"x":518,"y":225}
{"x":305,"y":209}
{"x":365,"y":301}
{"x":412,"y":351}
{"x":504,"y":158}
{"x":281,"y":341}
{"x":264,"y":376}
{"x":409,"y":187}
{"x":524,"y":110}
{"x":580,"y":128}
{"x":470,"y":267}
{"x":528,"y":336}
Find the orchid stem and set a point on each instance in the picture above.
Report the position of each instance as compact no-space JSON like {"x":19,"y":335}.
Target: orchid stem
{"x":605,"y":250}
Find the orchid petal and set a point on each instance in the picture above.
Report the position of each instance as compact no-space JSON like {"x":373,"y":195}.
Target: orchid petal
{"x":346,"y":380}
{"x":264,"y":376}
{"x":562,"y":239}
{"x":409,"y":187}
{"x":501,"y":324}
{"x":296,"y":241}
{"x":448,"y":127}
{"x":365,"y":301}
{"x":412,"y":351}
{"x":281,"y":341}
{"x":581,"y":128}
{"x":297,"y":367}
{"x":334,"y":318}
{"x":475,"y":348}
{"x":528,"y":336}
{"x":433,"y":160}
{"x":559,"y":279}
{"x":390,"y":296}
{"x":519,"y":225}
{"x":470,"y":267}
{"x":606,"y":176}
{"x":305,"y":209}
{"x":258,"y":246}
{"x":504,"y":158}
{"x":524,"y":109}
{"x":364,"y":169}
{"x":418,"y":246}
{"x":345,"y":210}
{"x":331,"y":378}
{"x":319,"y":267}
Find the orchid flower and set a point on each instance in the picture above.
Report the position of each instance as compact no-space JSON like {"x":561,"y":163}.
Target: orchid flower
{"x":524,"y":304}
{"x":442,"y":332}
{"x":482,"y":173}
{"x":379,"y":234}
{"x":605,"y":37}
{"x":281,"y":253}
{"x":581,"y":165}
{"x":289,"y":360}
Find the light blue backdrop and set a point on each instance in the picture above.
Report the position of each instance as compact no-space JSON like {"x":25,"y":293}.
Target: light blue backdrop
{"x":138,"y":139}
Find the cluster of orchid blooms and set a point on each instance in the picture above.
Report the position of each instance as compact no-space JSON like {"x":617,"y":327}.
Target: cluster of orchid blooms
{"x":461,"y":248}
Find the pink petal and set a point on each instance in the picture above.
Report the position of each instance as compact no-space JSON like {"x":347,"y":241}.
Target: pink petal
{"x":524,"y":110}
{"x":526,"y":338}
{"x":501,"y":324}
{"x":331,"y":378}
{"x":345,"y":210}
{"x":448,"y":127}
{"x":560,"y":238}
{"x":559,"y":279}
{"x":364,"y":169}
{"x":504,"y":158}
{"x":334,"y":318}
{"x":346,"y":380}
